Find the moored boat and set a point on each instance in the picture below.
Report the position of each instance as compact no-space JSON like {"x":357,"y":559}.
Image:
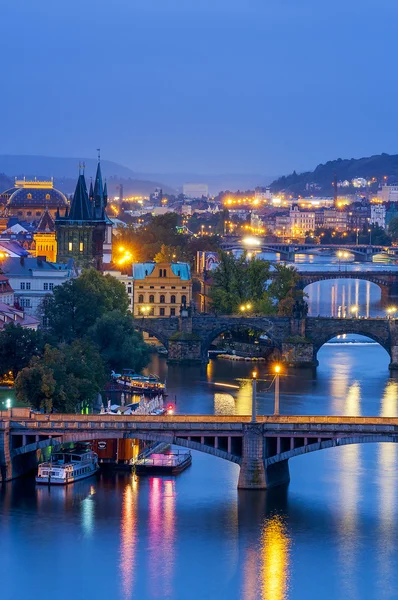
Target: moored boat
{"x":171,"y":463}
{"x":68,"y":465}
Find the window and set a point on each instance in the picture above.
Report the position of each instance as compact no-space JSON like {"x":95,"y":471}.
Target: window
{"x":152,"y":312}
{"x":81,"y":246}
{"x":45,"y":286}
{"x":70,"y":246}
{"x":29,"y":196}
{"x":38,"y":214}
{"x":25,"y":302}
{"x":51,"y":286}
{"x":162,"y":287}
{"x":28,"y":286}
{"x":20,"y":213}
{"x":160,"y":272}
{"x":48,"y":196}
{"x":151,"y":287}
{"x":173,"y":287}
{"x":141,"y":298}
{"x":141,"y":287}
{"x":129,"y":290}
{"x":184,"y":287}
{"x":161,"y":312}
{"x":29,"y":213}
{"x":162,"y":299}
{"x":164,"y":272}
{"x":172,"y":312}
{"x":22,"y":285}
{"x":172,"y":299}
{"x":183,"y":299}
{"x":151,"y":298}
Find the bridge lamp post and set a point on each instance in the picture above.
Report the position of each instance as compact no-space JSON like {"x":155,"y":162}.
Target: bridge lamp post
{"x":391,"y":310}
{"x":355,"y":311}
{"x":276,"y":401}
{"x":254,"y":397}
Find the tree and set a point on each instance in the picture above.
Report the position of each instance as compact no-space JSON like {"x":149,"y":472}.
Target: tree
{"x":167,"y":254}
{"x":77,"y":304}
{"x":17,"y":346}
{"x":64,"y":378}
{"x":393,"y":228}
{"x":118,"y":342}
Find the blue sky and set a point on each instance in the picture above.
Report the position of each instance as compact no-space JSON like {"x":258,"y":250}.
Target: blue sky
{"x":206,"y":86}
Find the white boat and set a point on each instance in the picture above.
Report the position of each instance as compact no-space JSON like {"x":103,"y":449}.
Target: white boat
{"x":68,"y":465}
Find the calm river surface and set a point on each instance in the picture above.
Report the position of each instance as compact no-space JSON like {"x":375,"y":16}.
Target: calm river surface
{"x":332,"y":533}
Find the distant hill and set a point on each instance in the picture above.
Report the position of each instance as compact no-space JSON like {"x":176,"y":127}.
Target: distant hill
{"x":377,"y":166}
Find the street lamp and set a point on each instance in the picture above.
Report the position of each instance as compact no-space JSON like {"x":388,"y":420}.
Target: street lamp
{"x":144,"y":310}
{"x":277,"y":370}
{"x":254,"y":396}
{"x":370,"y":236}
{"x":354,"y":309}
{"x":391,"y":310}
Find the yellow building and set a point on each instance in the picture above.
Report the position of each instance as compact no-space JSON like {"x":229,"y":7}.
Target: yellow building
{"x":45,"y":238}
{"x":161,"y":288}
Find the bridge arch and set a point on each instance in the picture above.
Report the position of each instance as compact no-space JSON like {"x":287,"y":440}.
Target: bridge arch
{"x":155,"y":437}
{"x":321,"y":341}
{"x":261,"y":326}
{"x":331,"y":443}
{"x":146,"y":327}
{"x":306,"y":280}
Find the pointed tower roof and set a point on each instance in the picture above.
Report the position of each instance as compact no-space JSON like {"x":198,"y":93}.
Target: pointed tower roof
{"x":91,"y":192}
{"x":105,"y":194}
{"x":80,"y":206}
{"x":46,"y":223}
{"x":98,"y":185}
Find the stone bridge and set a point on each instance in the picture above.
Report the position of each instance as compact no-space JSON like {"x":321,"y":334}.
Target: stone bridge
{"x":295,"y":341}
{"x":287,"y":251}
{"x":386,"y":280}
{"x":261,"y":448}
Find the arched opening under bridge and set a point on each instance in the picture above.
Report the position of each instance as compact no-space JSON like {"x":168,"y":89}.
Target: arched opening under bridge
{"x":346,"y":297}
{"x":241,"y":339}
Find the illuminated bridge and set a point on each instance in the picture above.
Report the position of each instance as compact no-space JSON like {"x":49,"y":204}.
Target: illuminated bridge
{"x":262,"y":448}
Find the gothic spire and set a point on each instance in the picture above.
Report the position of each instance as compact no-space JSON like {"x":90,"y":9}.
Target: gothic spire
{"x":80,"y":206}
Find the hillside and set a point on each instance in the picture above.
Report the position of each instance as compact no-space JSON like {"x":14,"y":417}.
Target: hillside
{"x":377,"y":166}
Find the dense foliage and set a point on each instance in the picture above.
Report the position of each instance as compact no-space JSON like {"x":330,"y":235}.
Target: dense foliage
{"x":247,"y":286}
{"x":90,"y":332}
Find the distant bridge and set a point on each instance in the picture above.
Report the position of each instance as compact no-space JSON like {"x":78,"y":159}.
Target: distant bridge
{"x":296,"y":341}
{"x":386,"y":280}
{"x":262,"y":449}
{"x":287,"y":251}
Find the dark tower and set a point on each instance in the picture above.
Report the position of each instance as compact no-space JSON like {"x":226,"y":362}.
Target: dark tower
{"x":81,"y":232}
{"x":335,"y":189}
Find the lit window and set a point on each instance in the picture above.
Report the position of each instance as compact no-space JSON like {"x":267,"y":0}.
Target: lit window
{"x":81,"y":246}
{"x":70,"y":246}
{"x":29,"y":196}
{"x":48,"y":196}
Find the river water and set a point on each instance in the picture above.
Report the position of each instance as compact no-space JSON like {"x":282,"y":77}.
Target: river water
{"x":332,"y":533}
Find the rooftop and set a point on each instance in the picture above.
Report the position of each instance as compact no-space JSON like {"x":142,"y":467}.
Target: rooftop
{"x":179,"y":269}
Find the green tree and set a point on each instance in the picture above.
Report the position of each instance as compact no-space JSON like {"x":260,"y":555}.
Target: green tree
{"x":393,"y":228}
{"x":284,"y":280}
{"x":167,"y":254}
{"x":77,"y":304}
{"x":17,"y":346}
{"x":64,"y":378}
{"x":118,"y":342}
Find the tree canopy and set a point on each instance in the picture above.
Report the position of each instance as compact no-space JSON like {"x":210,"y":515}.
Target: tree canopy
{"x":239,"y":283}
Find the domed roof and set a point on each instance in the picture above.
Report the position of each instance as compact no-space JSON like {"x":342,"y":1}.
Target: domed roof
{"x":37,"y":194}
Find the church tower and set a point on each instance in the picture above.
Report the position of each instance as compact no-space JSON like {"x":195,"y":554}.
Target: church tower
{"x":81,"y":231}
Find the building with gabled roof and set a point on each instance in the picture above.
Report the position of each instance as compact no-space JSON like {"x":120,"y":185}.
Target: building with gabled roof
{"x":45,"y":238}
{"x":81,"y":232}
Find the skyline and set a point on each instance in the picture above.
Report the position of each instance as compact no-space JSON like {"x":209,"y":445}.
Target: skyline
{"x":148,"y":83}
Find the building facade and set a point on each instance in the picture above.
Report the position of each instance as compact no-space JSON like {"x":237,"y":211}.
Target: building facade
{"x":301,"y":221}
{"x":82,"y":232}
{"x":45,"y":239}
{"x":29,"y":200}
{"x":378,"y":215}
{"x":32,"y":279}
{"x":160,"y":289}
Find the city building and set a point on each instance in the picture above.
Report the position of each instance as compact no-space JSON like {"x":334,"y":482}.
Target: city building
{"x":34,"y":278}
{"x":84,"y":233}
{"x":301,"y":221}
{"x":29,"y":200}
{"x":44,"y":238}
{"x":195,"y":190}
{"x":12,"y":314}
{"x":388,"y":193}
{"x":378,"y":215}
{"x":160,"y":289}
{"x":6,"y":291}
{"x":127,"y":280}
{"x":335,"y":219}
{"x":358,"y":217}
{"x":262,"y":194}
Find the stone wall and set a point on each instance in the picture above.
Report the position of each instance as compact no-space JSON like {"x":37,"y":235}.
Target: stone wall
{"x":184,"y":351}
{"x":298,"y":354}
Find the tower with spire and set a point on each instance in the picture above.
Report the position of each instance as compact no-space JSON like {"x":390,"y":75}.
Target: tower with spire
{"x":81,"y":232}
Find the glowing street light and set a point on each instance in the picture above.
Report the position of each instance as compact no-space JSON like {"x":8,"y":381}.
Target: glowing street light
{"x":354,"y":310}
{"x":144,"y":310}
{"x":391,"y":310}
{"x":277,"y":370}
{"x":254,"y":396}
